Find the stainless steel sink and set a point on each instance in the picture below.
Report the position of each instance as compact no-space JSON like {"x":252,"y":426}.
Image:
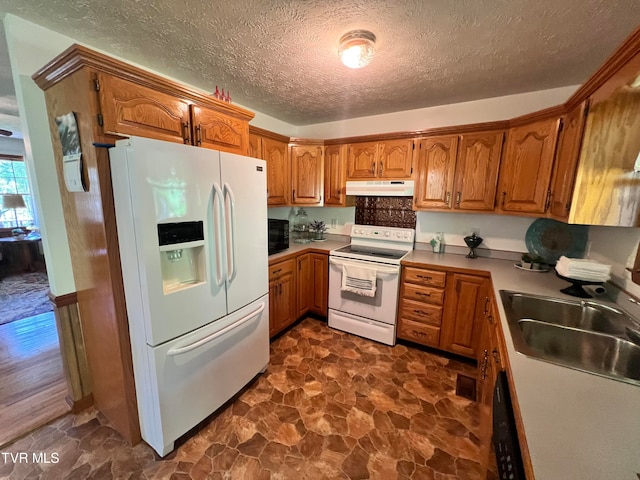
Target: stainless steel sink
{"x":584,"y":335}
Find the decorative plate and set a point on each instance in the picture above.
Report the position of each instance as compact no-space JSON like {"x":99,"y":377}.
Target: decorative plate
{"x":551,"y":239}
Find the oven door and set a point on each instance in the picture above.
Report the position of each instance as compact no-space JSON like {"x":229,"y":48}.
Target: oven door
{"x":382,"y":307}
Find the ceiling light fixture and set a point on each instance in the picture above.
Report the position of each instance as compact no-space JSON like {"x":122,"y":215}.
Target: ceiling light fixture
{"x":356,"y":48}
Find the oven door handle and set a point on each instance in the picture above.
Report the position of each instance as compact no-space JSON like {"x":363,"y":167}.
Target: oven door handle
{"x":378,"y":269}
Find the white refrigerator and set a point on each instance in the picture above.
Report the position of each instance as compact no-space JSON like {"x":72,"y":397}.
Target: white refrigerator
{"x":192,"y":232}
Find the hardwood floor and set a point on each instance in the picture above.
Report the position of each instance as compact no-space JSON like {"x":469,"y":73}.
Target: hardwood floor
{"x":32,"y":388}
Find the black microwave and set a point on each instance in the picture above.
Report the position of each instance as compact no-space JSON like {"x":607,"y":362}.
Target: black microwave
{"x":278,"y":235}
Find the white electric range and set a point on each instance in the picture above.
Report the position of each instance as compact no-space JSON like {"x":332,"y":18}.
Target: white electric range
{"x":364,"y":281}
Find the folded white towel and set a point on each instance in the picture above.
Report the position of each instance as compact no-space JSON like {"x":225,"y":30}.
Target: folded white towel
{"x":359,"y":280}
{"x":583,"y":269}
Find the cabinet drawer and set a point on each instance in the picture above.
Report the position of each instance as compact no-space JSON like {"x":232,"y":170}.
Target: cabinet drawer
{"x":281,"y":268}
{"x":419,"y":333}
{"x":423,"y":294}
{"x":421,"y":312}
{"x":421,"y":276}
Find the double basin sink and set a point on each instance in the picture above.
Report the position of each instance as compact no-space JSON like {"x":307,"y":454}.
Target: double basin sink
{"x":584,"y":335}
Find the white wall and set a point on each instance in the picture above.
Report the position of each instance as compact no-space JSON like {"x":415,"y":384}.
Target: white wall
{"x":31,"y":47}
{"x":499,"y":232}
{"x":486,"y":110}
{"x":616,"y":246}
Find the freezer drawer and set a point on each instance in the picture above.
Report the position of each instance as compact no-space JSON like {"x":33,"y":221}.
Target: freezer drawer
{"x":194,"y":375}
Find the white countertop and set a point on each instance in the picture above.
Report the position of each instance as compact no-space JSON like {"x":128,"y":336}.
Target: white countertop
{"x":577,"y":425}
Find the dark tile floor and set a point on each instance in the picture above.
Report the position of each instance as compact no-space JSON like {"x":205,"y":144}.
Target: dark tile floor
{"x":331,"y":405}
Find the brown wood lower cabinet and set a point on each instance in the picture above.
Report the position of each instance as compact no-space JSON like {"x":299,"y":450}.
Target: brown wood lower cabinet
{"x":297,"y":286}
{"x":491,"y":356}
{"x":282,"y":295}
{"x":442,"y":309}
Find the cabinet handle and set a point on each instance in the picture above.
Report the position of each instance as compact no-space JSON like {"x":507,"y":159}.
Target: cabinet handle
{"x":490,"y":318}
{"x":486,"y":306}
{"x":185,"y":132}
{"x":458,"y":195}
{"x":425,"y":277}
{"x":294,"y":195}
{"x":416,"y":333}
{"x":276,"y":271}
{"x":199,"y":135}
{"x":381,"y":167}
{"x":547,"y":203}
{"x":504,"y":197}
{"x":447,"y":199}
{"x":279,"y":289}
{"x":338,"y":192}
{"x":373,"y":167}
{"x":421,"y":312}
{"x":423,"y":294}
{"x":485,"y":361}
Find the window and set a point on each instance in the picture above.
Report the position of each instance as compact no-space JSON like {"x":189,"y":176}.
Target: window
{"x":13,"y":180}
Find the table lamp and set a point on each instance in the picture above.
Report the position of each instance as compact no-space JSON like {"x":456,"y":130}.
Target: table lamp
{"x":13,"y":201}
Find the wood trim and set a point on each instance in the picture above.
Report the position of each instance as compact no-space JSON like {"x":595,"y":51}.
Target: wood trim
{"x":77,"y":56}
{"x":63,"y":300}
{"x":441,"y":268}
{"x":546,"y":114}
{"x":81,"y":404}
{"x":293,"y":255}
{"x":266,"y":133}
{"x":448,"y":130}
{"x":306,"y":141}
{"x":15,"y":158}
{"x":623,"y":54}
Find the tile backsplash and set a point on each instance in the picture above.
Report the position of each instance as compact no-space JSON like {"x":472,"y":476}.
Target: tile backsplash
{"x":385,"y":212}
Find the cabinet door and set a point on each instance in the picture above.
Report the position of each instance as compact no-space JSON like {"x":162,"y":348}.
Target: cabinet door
{"x":566,"y":164}
{"x":361,"y":160}
{"x":215,"y":130}
{"x":131,"y":109}
{"x":320,"y":293}
{"x":274,"y":308}
{"x":278,"y":171}
{"x":526,"y":168}
{"x":306,"y":174}
{"x":464,"y":307}
{"x":282,"y":295}
{"x":334,"y":175}
{"x":436,"y":162}
{"x":305,"y":284}
{"x":395,"y":158}
{"x":255,"y":146}
{"x":476,"y":177}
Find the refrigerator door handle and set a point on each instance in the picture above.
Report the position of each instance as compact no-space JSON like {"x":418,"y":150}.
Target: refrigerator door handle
{"x":230,"y":223}
{"x":219,"y":333}
{"x":217,"y":193}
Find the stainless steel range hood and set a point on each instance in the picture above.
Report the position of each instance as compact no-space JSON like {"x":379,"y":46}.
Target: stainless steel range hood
{"x":381,"y":188}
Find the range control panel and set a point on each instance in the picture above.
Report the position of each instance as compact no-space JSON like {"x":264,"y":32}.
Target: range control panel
{"x":404,"y":235}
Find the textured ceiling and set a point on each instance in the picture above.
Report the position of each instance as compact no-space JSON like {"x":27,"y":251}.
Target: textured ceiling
{"x":280,"y":57}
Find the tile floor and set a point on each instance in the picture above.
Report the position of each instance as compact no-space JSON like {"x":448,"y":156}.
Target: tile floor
{"x":331,"y":405}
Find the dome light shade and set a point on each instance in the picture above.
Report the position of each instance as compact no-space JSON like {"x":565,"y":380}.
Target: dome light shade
{"x":356,"y":48}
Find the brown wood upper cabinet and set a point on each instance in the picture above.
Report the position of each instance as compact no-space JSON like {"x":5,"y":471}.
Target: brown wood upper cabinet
{"x":386,"y":159}
{"x":335,"y":170}
{"x":215,"y":130}
{"x":458,"y":171}
{"x":525,"y":172}
{"x":275,"y":151}
{"x":131,"y":109}
{"x":128,"y":108}
{"x":306,"y":174}
{"x":566,"y":163}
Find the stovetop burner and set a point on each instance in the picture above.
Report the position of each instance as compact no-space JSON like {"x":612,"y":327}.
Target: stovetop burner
{"x":372,"y":251}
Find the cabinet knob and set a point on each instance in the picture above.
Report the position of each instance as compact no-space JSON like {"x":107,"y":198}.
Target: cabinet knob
{"x":458,"y":195}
